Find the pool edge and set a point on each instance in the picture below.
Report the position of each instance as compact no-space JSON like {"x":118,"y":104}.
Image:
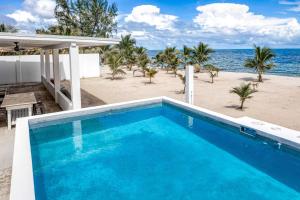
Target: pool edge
{"x":22,"y":182}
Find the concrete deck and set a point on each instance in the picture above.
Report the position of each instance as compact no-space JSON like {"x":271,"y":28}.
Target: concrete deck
{"x":7,"y":137}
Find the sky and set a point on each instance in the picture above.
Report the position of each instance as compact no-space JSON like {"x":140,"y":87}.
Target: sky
{"x":156,"y":24}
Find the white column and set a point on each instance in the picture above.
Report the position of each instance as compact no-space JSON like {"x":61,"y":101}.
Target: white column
{"x":18,"y":70}
{"x":189,"y":76}
{"x":56,"y":73}
{"x":47,"y":65}
{"x":75,"y":76}
{"x":42,"y":62}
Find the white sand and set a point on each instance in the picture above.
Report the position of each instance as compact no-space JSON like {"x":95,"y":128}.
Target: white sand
{"x":277,"y":100}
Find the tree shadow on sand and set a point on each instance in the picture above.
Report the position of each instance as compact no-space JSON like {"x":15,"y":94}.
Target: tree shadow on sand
{"x":252,"y":79}
{"x":236,"y":107}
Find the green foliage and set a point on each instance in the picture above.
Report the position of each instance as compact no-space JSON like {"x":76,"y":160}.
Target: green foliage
{"x":151,"y":72}
{"x":171,"y":59}
{"x":262,"y":61}
{"x":127,"y":49}
{"x":94,"y":18}
{"x":186,"y":56}
{"x":159,"y":60}
{"x":8,"y":28}
{"x":244,"y":91}
{"x":114,"y":62}
{"x":201,"y":53}
{"x":142,"y":60}
{"x":212,"y":70}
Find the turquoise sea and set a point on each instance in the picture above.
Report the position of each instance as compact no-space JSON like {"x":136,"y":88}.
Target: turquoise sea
{"x":287,"y":60}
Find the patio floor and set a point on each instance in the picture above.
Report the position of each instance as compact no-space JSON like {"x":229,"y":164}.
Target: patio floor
{"x":7,"y":137}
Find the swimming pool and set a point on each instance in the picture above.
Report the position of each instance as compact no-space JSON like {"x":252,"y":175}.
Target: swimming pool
{"x":154,"y":149}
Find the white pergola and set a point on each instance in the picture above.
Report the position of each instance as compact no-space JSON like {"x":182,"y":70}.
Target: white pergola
{"x":52,"y":43}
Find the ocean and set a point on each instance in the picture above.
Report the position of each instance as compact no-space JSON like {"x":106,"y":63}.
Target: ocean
{"x":287,"y":60}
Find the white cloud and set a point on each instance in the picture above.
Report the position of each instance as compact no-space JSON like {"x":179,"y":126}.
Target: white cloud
{"x":150,"y":15}
{"x":235,"y":19}
{"x":23,"y":16}
{"x":42,"y":8}
{"x":34,"y":14}
{"x":295,"y":5}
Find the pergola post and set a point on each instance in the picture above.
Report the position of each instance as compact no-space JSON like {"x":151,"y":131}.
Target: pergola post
{"x":75,"y":76}
{"x":56,"y":73}
{"x":47,"y":65}
{"x":42,"y":60}
{"x":189,"y":76}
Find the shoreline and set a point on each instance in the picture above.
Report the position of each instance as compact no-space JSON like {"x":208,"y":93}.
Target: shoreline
{"x":277,"y":99}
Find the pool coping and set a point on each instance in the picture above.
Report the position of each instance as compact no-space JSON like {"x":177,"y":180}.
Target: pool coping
{"x":22,"y":183}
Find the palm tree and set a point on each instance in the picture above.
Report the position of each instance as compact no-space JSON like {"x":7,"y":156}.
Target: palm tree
{"x":159,"y":59}
{"x":151,"y":73}
{"x":186,"y":57}
{"x":213,"y":71}
{"x":200,"y":53}
{"x":171,"y":59}
{"x":115,"y":62}
{"x":262,"y":61}
{"x":142,"y":60}
{"x":182,"y":78}
{"x":127,"y":49}
{"x":244,"y":91}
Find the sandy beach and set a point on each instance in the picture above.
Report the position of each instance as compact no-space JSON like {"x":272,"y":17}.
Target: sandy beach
{"x":277,"y":100}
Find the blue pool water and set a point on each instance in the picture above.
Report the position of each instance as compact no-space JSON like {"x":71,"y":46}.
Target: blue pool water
{"x":158,"y":152}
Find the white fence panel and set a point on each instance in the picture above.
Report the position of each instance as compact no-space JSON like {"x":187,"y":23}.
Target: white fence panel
{"x":29,"y":69}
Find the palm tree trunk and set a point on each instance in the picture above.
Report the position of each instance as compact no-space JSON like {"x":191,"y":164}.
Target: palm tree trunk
{"x":150,"y":78}
{"x":212,"y":79}
{"x":260,"y":77}
{"x":184,"y":89}
{"x":242,"y":104}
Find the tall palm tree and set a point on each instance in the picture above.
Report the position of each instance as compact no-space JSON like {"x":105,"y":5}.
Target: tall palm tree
{"x":244,"y":91}
{"x":186,"y":56}
{"x":262,"y":61}
{"x":115,"y":62}
{"x":201,"y":53}
{"x":159,"y":60}
{"x":171,"y":59}
{"x":127,"y":49}
{"x":151,"y":73}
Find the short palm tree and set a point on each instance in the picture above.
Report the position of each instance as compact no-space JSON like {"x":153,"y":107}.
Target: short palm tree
{"x":115,"y":62}
{"x":244,"y":91}
{"x":201,"y":53}
{"x":142,"y":62}
{"x":262,"y":61}
{"x":182,"y":78}
{"x":151,"y":73}
{"x":213,"y":71}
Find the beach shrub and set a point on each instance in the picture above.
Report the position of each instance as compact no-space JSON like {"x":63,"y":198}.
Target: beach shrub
{"x":244,"y":91}
{"x":262,"y":61}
